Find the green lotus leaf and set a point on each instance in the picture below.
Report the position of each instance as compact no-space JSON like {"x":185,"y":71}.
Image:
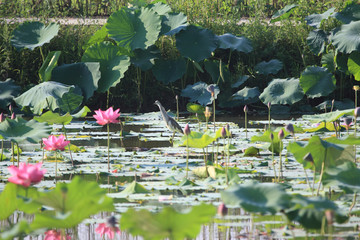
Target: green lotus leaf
{"x":328,"y":61}
{"x":344,"y":176}
{"x":341,"y":61}
{"x":354,"y":65}
{"x":198,"y":93}
{"x":133,"y":188}
{"x":310,"y":212}
{"x":328,"y":117}
{"x":251,"y":152}
{"x":271,"y":67}
{"x":282,"y":91}
{"x":197,"y":139}
{"x":33,"y":34}
{"x":255,"y":197}
{"x":134,"y":29}
{"x":348,"y":140}
{"x":347,"y":39}
{"x":323,"y":127}
{"x":66,"y":202}
{"x":240,"y":44}
{"x":84,"y":75}
{"x":160,"y":8}
{"x":317,"y":41}
{"x":196,"y":43}
{"x":349,"y":14}
{"x":167,"y":224}
{"x":246,"y":95}
{"x":81,"y":113}
{"x":314,"y":20}
{"x":145,"y":59}
{"x":283,"y":13}
{"x":217,"y":70}
{"x":113,"y":65}
{"x":321,"y":150}
{"x":50,"y":95}
{"x":19,"y":130}
{"x":54,"y":118}
{"x":19,"y":229}
{"x":240,"y":81}
{"x":195,"y":108}
{"x":48,"y":65}
{"x":317,"y":82}
{"x":172,"y":23}
{"x":168,"y":70}
{"x":265,"y":137}
{"x":8,"y":90}
{"x":99,"y":36}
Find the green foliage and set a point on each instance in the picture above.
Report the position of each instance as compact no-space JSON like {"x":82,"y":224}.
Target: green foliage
{"x":199,"y":93}
{"x":134,"y":187}
{"x":197,"y":139}
{"x":317,"y":82}
{"x":168,"y":71}
{"x":54,"y":118}
{"x":271,"y":67}
{"x":168,"y":223}
{"x":48,"y":65}
{"x":8,"y":90}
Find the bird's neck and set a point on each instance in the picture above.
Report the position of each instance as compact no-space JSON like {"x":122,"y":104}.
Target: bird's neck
{"x":163,"y":113}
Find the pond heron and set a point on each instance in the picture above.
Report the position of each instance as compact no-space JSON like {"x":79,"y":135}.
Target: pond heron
{"x":171,"y":124}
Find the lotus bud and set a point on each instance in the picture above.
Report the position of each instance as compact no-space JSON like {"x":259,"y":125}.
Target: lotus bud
{"x":290,"y":128}
{"x":211,"y":89}
{"x":13,"y":115}
{"x":357,"y":112}
{"x":356,"y":87}
{"x":111,"y":221}
{"x":222,"y":210}
{"x":245,"y":108}
{"x":187,"y":129}
{"x":281,"y":134}
{"x":223,"y":132}
{"x":10,"y":108}
{"x":271,"y":136}
{"x":177,"y":97}
{"x":207,"y":112}
{"x":269,"y":105}
{"x":2,"y":118}
{"x":309,"y":158}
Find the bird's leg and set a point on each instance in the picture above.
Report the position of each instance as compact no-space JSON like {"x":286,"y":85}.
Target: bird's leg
{"x":172,"y":138}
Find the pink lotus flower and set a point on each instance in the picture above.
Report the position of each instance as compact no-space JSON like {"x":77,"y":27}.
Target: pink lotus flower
{"x":55,"y":235}
{"x":26,"y":174}
{"x":53,"y":143}
{"x":106,"y":117}
{"x":110,"y":231}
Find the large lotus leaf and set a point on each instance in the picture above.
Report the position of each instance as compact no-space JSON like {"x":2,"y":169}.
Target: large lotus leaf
{"x":68,"y":205}
{"x":50,"y":95}
{"x":323,"y":127}
{"x":54,"y":118}
{"x":328,"y":61}
{"x":172,"y":23}
{"x":317,"y":82}
{"x":197,"y":139}
{"x":113,"y":65}
{"x":160,"y":8}
{"x":257,"y":197}
{"x":344,"y":176}
{"x":350,"y":13}
{"x":229,"y":41}
{"x":347,"y":39}
{"x":315,"y":20}
{"x":33,"y":34}
{"x":283,"y":13}
{"x":145,"y":59}
{"x":134,"y":29}
{"x":48,"y":65}
{"x":240,"y":81}
{"x":85,"y":75}
{"x":317,"y":40}
{"x":282,"y":91}
{"x":134,"y":188}
{"x":246,"y":95}
{"x":265,"y":137}
{"x":19,"y":130}
{"x":354,"y":65}
{"x":341,"y":61}
{"x":199,"y":93}
{"x":321,"y":150}
{"x":168,"y":71}
{"x":196,"y":43}
{"x":21,"y":228}
{"x":8,"y":90}
{"x":167,"y":224}
{"x":195,"y":108}
{"x":217,"y":70}
{"x":328,"y":117}
{"x":99,"y":36}
{"x":271,"y":67}
{"x":310,"y":212}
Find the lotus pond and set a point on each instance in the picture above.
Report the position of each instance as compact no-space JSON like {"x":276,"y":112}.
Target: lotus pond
{"x":147,"y":191}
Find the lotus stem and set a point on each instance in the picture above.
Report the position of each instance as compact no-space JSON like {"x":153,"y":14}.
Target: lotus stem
{"x":108,"y":145}
{"x":246,"y":121}
{"x":353,"y":203}
{"x":72,"y":161}
{"x":280,"y":162}
{"x":307,"y":178}
{"x":42,"y":54}
{"x":355,"y":137}
{"x":187,"y":156}
{"x":18,"y":154}
{"x":314,"y":178}
{"x":226,"y":165}
{"x":177,"y":108}
{"x":214,"y":114}
{"x":321,"y":173}
{"x":207,"y":174}
{"x":55,"y":165}
{"x":12,"y":151}
{"x":272,"y":159}
{"x":2,"y":149}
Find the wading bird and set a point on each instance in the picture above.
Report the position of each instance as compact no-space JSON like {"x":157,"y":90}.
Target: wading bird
{"x":171,"y":124}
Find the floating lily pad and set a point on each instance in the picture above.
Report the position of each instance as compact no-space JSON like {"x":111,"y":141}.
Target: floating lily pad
{"x":133,"y":188}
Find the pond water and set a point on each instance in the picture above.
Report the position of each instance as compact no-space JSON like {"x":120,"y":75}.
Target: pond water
{"x":143,"y":151}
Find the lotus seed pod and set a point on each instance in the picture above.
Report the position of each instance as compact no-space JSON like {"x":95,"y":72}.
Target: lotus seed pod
{"x":111,"y":221}
{"x":207,"y":112}
{"x":281,"y":134}
{"x":222,"y":210}
{"x":356,"y":87}
{"x":187,"y":129}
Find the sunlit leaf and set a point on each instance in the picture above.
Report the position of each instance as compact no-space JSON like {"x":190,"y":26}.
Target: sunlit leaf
{"x":54,"y":118}
{"x":48,"y":65}
{"x":197,"y":139}
{"x":328,"y":117}
{"x":354,"y":65}
{"x":346,"y":40}
{"x":195,"y":108}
